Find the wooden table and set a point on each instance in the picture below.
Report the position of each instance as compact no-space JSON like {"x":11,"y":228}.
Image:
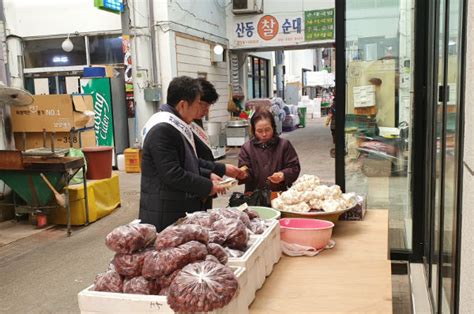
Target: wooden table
{"x":354,"y":276}
{"x":22,"y":174}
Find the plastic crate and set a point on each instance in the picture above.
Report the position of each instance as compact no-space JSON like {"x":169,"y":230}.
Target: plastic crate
{"x":133,"y":160}
{"x":109,"y":302}
{"x":93,"y":72}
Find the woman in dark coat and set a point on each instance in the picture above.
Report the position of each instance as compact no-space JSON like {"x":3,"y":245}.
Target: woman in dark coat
{"x":271,"y":160}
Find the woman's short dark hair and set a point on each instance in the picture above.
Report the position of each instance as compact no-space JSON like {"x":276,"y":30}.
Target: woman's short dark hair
{"x":183,"y":88}
{"x":209,"y":93}
{"x":262,"y":114}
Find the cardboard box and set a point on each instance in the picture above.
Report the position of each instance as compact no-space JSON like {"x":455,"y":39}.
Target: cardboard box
{"x":109,"y":69}
{"x":54,"y":113}
{"x":61,"y":140}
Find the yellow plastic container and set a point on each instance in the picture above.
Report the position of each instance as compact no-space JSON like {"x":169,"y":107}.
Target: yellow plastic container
{"x":103,"y":198}
{"x":133,"y":159}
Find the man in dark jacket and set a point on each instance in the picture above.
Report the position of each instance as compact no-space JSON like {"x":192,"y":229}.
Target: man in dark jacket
{"x":171,"y":180}
{"x":203,"y":148}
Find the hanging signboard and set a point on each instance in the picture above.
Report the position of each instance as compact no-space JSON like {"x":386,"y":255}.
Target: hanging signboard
{"x":114,"y":6}
{"x":252,"y":31}
{"x":127,"y":60}
{"x":319,"y":24}
{"x":321,"y":78}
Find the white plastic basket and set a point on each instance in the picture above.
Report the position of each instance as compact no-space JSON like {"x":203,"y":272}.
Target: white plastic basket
{"x":109,"y":302}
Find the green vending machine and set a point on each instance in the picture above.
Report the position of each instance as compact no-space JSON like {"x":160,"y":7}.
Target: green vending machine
{"x":111,"y":123}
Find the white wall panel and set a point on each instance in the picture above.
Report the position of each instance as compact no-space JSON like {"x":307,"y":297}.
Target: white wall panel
{"x":193,"y":56}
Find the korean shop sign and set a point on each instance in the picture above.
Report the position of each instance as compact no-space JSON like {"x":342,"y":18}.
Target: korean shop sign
{"x":267,"y":30}
{"x":319,"y":25}
{"x":270,"y":30}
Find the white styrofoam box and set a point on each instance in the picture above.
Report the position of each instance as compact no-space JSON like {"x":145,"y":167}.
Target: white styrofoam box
{"x":237,"y":141}
{"x":109,"y":302}
{"x":253,"y":261}
{"x":121,"y":162}
{"x":271,"y":243}
{"x":317,"y":107}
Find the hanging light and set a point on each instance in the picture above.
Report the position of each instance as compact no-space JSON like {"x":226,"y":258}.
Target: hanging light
{"x":67,"y":44}
{"x":218,"y":49}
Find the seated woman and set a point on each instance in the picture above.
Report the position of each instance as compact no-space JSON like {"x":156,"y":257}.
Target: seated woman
{"x":270,"y":160}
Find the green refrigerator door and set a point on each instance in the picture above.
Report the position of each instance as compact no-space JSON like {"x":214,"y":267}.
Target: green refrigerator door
{"x":99,"y":88}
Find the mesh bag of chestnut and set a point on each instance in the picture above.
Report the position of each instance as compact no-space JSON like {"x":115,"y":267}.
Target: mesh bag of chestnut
{"x":179,"y":263}
{"x":130,"y":238}
{"x":202,"y":287}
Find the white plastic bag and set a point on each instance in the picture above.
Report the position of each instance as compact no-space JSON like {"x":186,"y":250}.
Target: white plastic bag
{"x":293,"y":249}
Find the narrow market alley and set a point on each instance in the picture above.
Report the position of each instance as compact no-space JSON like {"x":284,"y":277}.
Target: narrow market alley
{"x":45,"y":271}
{"x":99,"y":96}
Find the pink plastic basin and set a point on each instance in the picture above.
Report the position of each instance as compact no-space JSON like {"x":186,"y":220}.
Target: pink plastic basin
{"x":308,"y":232}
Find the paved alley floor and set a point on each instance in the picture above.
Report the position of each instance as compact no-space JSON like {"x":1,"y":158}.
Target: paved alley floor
{"x":44,"y":272}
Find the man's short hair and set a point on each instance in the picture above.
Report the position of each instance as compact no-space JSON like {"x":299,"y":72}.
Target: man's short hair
{"x":209,"y":93}
{"x":183,"y":88}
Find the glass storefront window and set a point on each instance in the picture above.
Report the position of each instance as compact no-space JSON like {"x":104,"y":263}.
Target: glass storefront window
{"x":438,"y":134}
{"x":257,"y":81}
{"x":43,"y":53}
{"x":106,"y":49}
{"x":256,"y":67}
{"x":378,"y":122}
{"x":451,"y":156}
{"x":249,"y":87}
{"x":263,"y":84}
{"x":263,"y":67}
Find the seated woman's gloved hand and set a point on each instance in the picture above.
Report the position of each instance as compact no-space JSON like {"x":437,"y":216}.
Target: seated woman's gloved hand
{"x":244,"y":173}
{"x":277,"y":177}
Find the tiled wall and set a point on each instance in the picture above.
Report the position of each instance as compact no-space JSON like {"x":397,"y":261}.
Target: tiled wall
{"x":467,"y":241}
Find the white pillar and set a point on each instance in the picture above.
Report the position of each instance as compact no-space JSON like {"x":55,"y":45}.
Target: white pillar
{"x":142,"y":67}
{"x":166,"y":46}
{"x":15,"y":55}
{"x":167,"y":52}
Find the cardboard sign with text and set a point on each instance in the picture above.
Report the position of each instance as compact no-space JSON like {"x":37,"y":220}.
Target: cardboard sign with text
{"x":60,"y":139}
{"x":54,"y":113}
